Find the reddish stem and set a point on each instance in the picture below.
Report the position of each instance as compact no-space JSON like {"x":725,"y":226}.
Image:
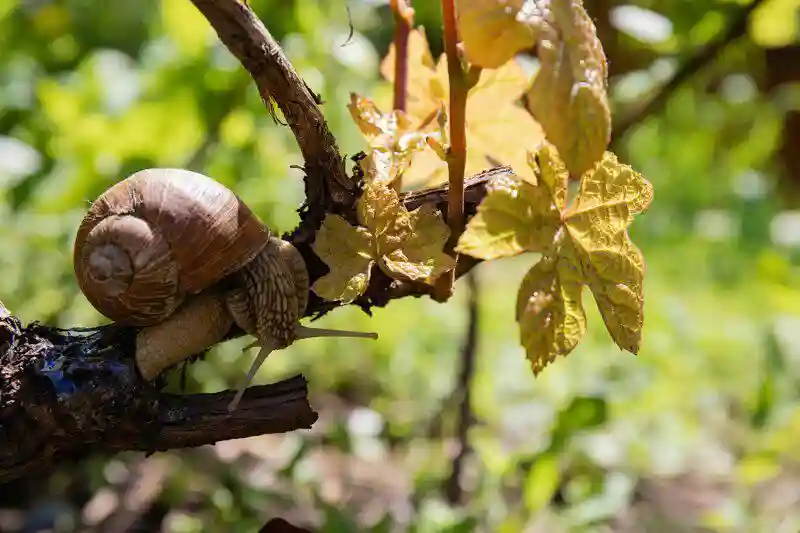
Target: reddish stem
{"x":403,"y":20}
{"x":457,"y":152}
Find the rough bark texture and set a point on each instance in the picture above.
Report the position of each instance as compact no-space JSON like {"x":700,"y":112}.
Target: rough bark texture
{"x":249,"y":40}
{"x":71,"y":393}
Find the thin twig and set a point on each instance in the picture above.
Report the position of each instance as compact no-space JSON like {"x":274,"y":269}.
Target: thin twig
{"x":737,"y":27}
{"x":454,"y":491}
{"x":403,"y":21}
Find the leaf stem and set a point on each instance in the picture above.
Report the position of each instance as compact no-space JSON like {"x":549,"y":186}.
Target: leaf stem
{"x":403,"y":20}
{"x":457,"y":151}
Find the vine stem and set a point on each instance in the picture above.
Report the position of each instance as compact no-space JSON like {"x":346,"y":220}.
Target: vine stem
{"x":457,"y":151}
{"x":403,"y":20}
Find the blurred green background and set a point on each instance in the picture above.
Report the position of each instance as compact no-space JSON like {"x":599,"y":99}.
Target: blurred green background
{"x":700,"y":432}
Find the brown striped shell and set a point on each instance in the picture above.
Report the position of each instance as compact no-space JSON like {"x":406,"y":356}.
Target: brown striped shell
{"x":158,"y":236}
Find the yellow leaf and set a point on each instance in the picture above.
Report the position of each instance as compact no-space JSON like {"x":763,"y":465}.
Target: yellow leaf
{"x":392,"y":139}
{"x":549,"y":311}
{"x":514,"y":217}
{"x":347,"y":250}
{"x":382,"y":213}
{"x":568,"y":95}
{"x":551,"y":173}
{"x":614,"y":186}
{"x":585,"y":244}
{"x":611,"y":264}
{"x":493,"y":31}
{"x":422,"y":256}
{"x":498,"y":129}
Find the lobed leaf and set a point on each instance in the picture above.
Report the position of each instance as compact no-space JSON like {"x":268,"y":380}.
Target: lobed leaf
{"x":347,"y":250}
{"x":498,"y":129}
{"x":494,"y":31}
{"x":549,"y":311}
{"x":382,"y":213}
{"x":568,"y":95}
{"x":422,"y":256}
{"x":392,"y":139}
{"x":514,"y":217}
{"x":612,"y":266}
{"x":584,"y":244}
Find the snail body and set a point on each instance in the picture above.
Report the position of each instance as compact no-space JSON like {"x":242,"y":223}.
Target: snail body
{"x":179,"y":255}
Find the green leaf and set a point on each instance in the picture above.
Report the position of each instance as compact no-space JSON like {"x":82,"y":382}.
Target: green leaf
{"x":583,"y":413}
{"x":347,"y":250}
{"x":514,"y":217}
{"x":549,"y":311}
{"x":542,"y":482}
{"x":422,"y":256}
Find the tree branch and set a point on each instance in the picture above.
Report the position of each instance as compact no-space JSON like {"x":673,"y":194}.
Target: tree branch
{"x":328,"y":188}
{"x":71,"y":393}
{"x":736,"y":28}
{"x":383,"y":289}
{"x":252,"y":44}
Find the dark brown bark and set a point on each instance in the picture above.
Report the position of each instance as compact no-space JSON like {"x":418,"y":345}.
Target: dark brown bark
{"x":71,"y":393}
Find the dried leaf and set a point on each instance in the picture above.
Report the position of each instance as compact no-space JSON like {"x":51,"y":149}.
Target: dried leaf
{"x":494,"y":31}
{"x":498,"y":130}
{"x":568,"y":95}
{"x":422,"y":256}
{"x":612,"y":265}
{"x":514,"y":217}
{"x":549,"y":311}
{"x":347,"y":250}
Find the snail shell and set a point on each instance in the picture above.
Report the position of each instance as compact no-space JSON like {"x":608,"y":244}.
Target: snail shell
{"x":158,"y":236}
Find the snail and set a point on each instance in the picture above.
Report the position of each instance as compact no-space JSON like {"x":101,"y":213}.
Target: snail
{"x":180,"y":256}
